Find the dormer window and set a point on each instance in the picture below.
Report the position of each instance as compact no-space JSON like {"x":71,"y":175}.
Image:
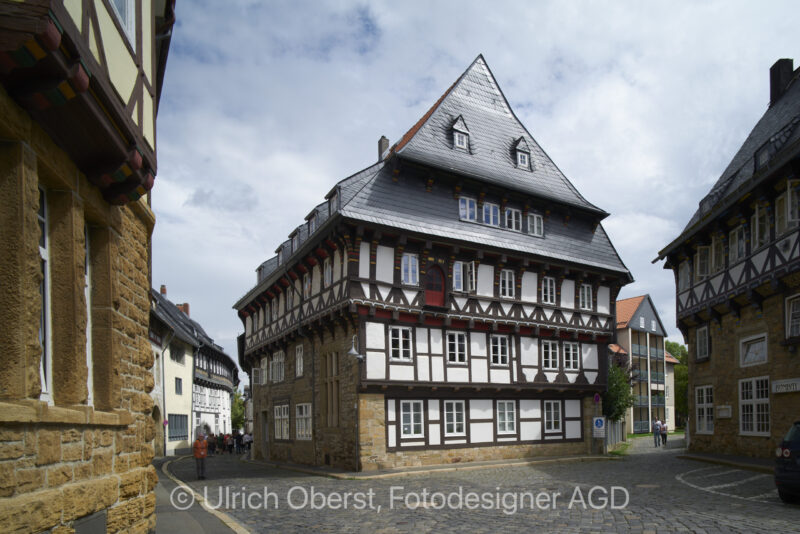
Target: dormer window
{"x":280,"y":256}
{"x":522,"y":160}
{"x":460,"y":134}
{"x":523,"y":154}
{"x":295,"y":242}
{"x":312,"y":224}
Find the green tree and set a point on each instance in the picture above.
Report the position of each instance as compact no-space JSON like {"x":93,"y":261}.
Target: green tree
{"x":237,"y":411}
{"x":681,"y":373}
{"x":618,"y":397}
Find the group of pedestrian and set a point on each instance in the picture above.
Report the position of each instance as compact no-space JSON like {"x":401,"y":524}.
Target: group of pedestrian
{"x":660,"y":433}
{"x":209,"y":445}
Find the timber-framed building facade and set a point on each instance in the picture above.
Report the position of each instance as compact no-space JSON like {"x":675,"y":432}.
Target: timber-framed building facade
{"x":452,"y":302}
{"x":736,"y":270}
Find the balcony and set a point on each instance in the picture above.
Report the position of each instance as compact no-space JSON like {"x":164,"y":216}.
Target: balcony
{"x":640,"y":400}
{"x":657,"y":378}
{"x":658,"y":400}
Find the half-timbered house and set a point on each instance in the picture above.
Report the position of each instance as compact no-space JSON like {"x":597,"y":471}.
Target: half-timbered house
{"x":452,"y":302}
{"x":738,"y":291}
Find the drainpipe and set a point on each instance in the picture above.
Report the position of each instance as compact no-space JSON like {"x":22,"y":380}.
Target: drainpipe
{"x":163,"y":388}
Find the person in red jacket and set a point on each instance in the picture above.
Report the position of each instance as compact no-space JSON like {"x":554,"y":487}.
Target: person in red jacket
{"x":200,"y":449}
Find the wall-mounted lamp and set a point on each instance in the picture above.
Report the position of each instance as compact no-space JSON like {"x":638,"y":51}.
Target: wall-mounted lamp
{"x":354,"y":352}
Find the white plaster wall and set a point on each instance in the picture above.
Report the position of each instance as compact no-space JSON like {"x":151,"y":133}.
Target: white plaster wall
{"x":568,"y":294}
{"x":436,"y":341}
{"x":603,"y":299}
{"x":376,"y":337}
{"x":572,"y":408}
{"x":384,"y":264}
{"x":422,"y":340}
{"x":529,"y":351}
{"x":572,"y":429}
{"x":480,"y":409}
{"x":529,"y":286}
{"x":485,"y":280}
{"x":480,"y":369}
{"x":363,"y":260}
{"x":477,"y":344}
{"x":376,"y":365}
{"x":401,"y":372}
{"x":589,"y":354}
{"x":481,"y":432}
{"x":457,"y":374}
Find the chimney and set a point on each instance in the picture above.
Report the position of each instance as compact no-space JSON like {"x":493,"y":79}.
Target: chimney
{"x":184,"y":308}
{"x":163,"y":290}
{"x":383,"y":146}
{"x":779,"y":76}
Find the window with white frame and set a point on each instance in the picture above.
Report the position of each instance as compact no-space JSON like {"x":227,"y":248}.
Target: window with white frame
{"x":736,"y":245}
{"x":523,"y":160}
{"x":281,"y":418}
{"x":514,"y":219}
{"x":467,"y":209}
{"x":399,"y":343}
{"x":295,"y":242}
{"x":276,"y":367}
{"x":506,"y":417}
{"x":464,"y":276}
{"x":491,"y":214}
{"x":759,"y":227}
{"x":298,"y":360}
{"x":550,"y":355}
{"x":306,"y":285}
{"x":683,"y":276}
{"x":456,"y":347}
{"x":460,"y":140}
{"x":290,"y":297}
{"x":411,"y":419}
{"x":701,"y":263}
{"x":46,"y":361}
{"x":652,"y":325}
{"x":327,"y":272}
{"x":548,"y":290}
{"x":552,"y":416}
{"x":793,"y":316}
{"x":753,"y":350}
{"x":701,"y":342}
{"x":178,"y":386}
{"x":302,"y":421}
{"x":571,"y":356}
{"x":754,"y":406}
{"x":499,"y":350}
{"x":274,"y":306}
{"x":535,"y":224}
{"x":641,"y":323}
{"x":704,"y":408}
{"x":312,"y":224}
{"x":280,"y":256}
{"x":585,"y":297}
{"x":125,"y":11}
{"x":781,"y":212}
{"x":454,"y":418}
{"x":178,"y":427}
{"x":507,"y":283}
{"x":717,"y":254}
{"x":410,"y":269}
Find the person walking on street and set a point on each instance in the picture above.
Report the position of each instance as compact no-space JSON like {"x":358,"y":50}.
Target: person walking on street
{"x":200,"y":449}
{"x":656,"y":432}
{"x":664,"y":434}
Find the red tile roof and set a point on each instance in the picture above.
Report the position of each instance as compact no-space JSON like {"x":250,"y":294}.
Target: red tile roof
{"x":625,"y":310}
{"x":669,"y":358}
{"x":616,"y":348}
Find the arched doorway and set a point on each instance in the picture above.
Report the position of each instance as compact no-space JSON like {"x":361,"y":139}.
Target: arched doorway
{"x":434,"y":287}
{"x":158,"y":444}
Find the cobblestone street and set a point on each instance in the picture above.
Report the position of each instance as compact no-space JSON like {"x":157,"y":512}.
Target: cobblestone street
{"x":664,"y":493}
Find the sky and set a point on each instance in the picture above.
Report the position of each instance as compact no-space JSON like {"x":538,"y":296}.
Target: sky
{"x":267,"y":105}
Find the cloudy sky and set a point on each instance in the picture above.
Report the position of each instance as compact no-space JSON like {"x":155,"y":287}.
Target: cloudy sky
{"x":266,"y":105}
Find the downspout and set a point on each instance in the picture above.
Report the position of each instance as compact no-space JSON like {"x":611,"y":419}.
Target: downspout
{"x":163,"y":388}
{"x":194,"y":370}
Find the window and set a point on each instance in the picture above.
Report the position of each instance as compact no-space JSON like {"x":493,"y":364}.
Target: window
{"x":704,"y":406}
{"x":652,"y":325}
{"x":736,"y":245}
{"x":759,"y":228}
{"x":717,"y":254}
{"x":454,"y":418}
{"x":45,"y":362}
{"x":550,"y":355}
{"x":780,"y":214}
{"x":281,"y":421}
{"x":793,"y":316}
{"x":464,"y":276}
{"x":701,"y":263}
{"x":178,"y":386}
{"x":683,"y":276}
{"x":276,"y":367}
{"x":126,"y":15}
{"x":506,"y":417}
{"x":290,"y":297}
{"x":467,"y":209}
{"x":754,"y":406}
{"x":332,"y":388}
{"x":411,"y":419}
{"x":522,"y":159}
{"x":280,"y":256}
{"x":491,"y":214}
{"x":327,"y":272}
{"x":499,"y":350}
{"x":295,"y":242}
{"x":302,"y":421}
{"x":307,"y":285}
{"x":461,"y":140}
{"x":275,"y":310}
{"x":701,"y":338}
{"x":177,"y":427}
{"x":641,"y":323}
{"x":298,"y":360}
{"x":400,"y":343}
{"x":410,"y":270}
{"x":456,"y":347}
{"x":507,"y":283}
{"x":571,"y":356}
{"x":548,"y":290}
{"x":753,"y":350}
{"x":177,"y":354}
{"x":514,"y":219}
{"x":585,"y":297}
{"x":552,"y":416}
{"x":535,"y":225}
{"x":312,"y":224}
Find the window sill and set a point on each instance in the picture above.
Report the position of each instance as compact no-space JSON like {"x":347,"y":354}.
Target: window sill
{"x":36,"y":411}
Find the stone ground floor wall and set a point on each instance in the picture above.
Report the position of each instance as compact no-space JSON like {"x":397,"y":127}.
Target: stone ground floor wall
{"x":375,"y":452}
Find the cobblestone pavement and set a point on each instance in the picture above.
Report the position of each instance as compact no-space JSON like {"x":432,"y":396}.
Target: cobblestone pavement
{"x":664,"y":494}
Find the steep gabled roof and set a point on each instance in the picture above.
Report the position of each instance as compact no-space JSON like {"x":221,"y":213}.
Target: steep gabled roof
{"x":625,"y":310}
{"x":642,"y":306}
{"x":494,"y":129}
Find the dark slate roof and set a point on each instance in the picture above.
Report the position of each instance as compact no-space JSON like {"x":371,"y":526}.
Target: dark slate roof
{"x":778,"y":128}
{"x":493,"y":132}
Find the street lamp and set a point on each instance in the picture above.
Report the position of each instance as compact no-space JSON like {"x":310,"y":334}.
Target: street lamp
{"x":354,"y":352}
